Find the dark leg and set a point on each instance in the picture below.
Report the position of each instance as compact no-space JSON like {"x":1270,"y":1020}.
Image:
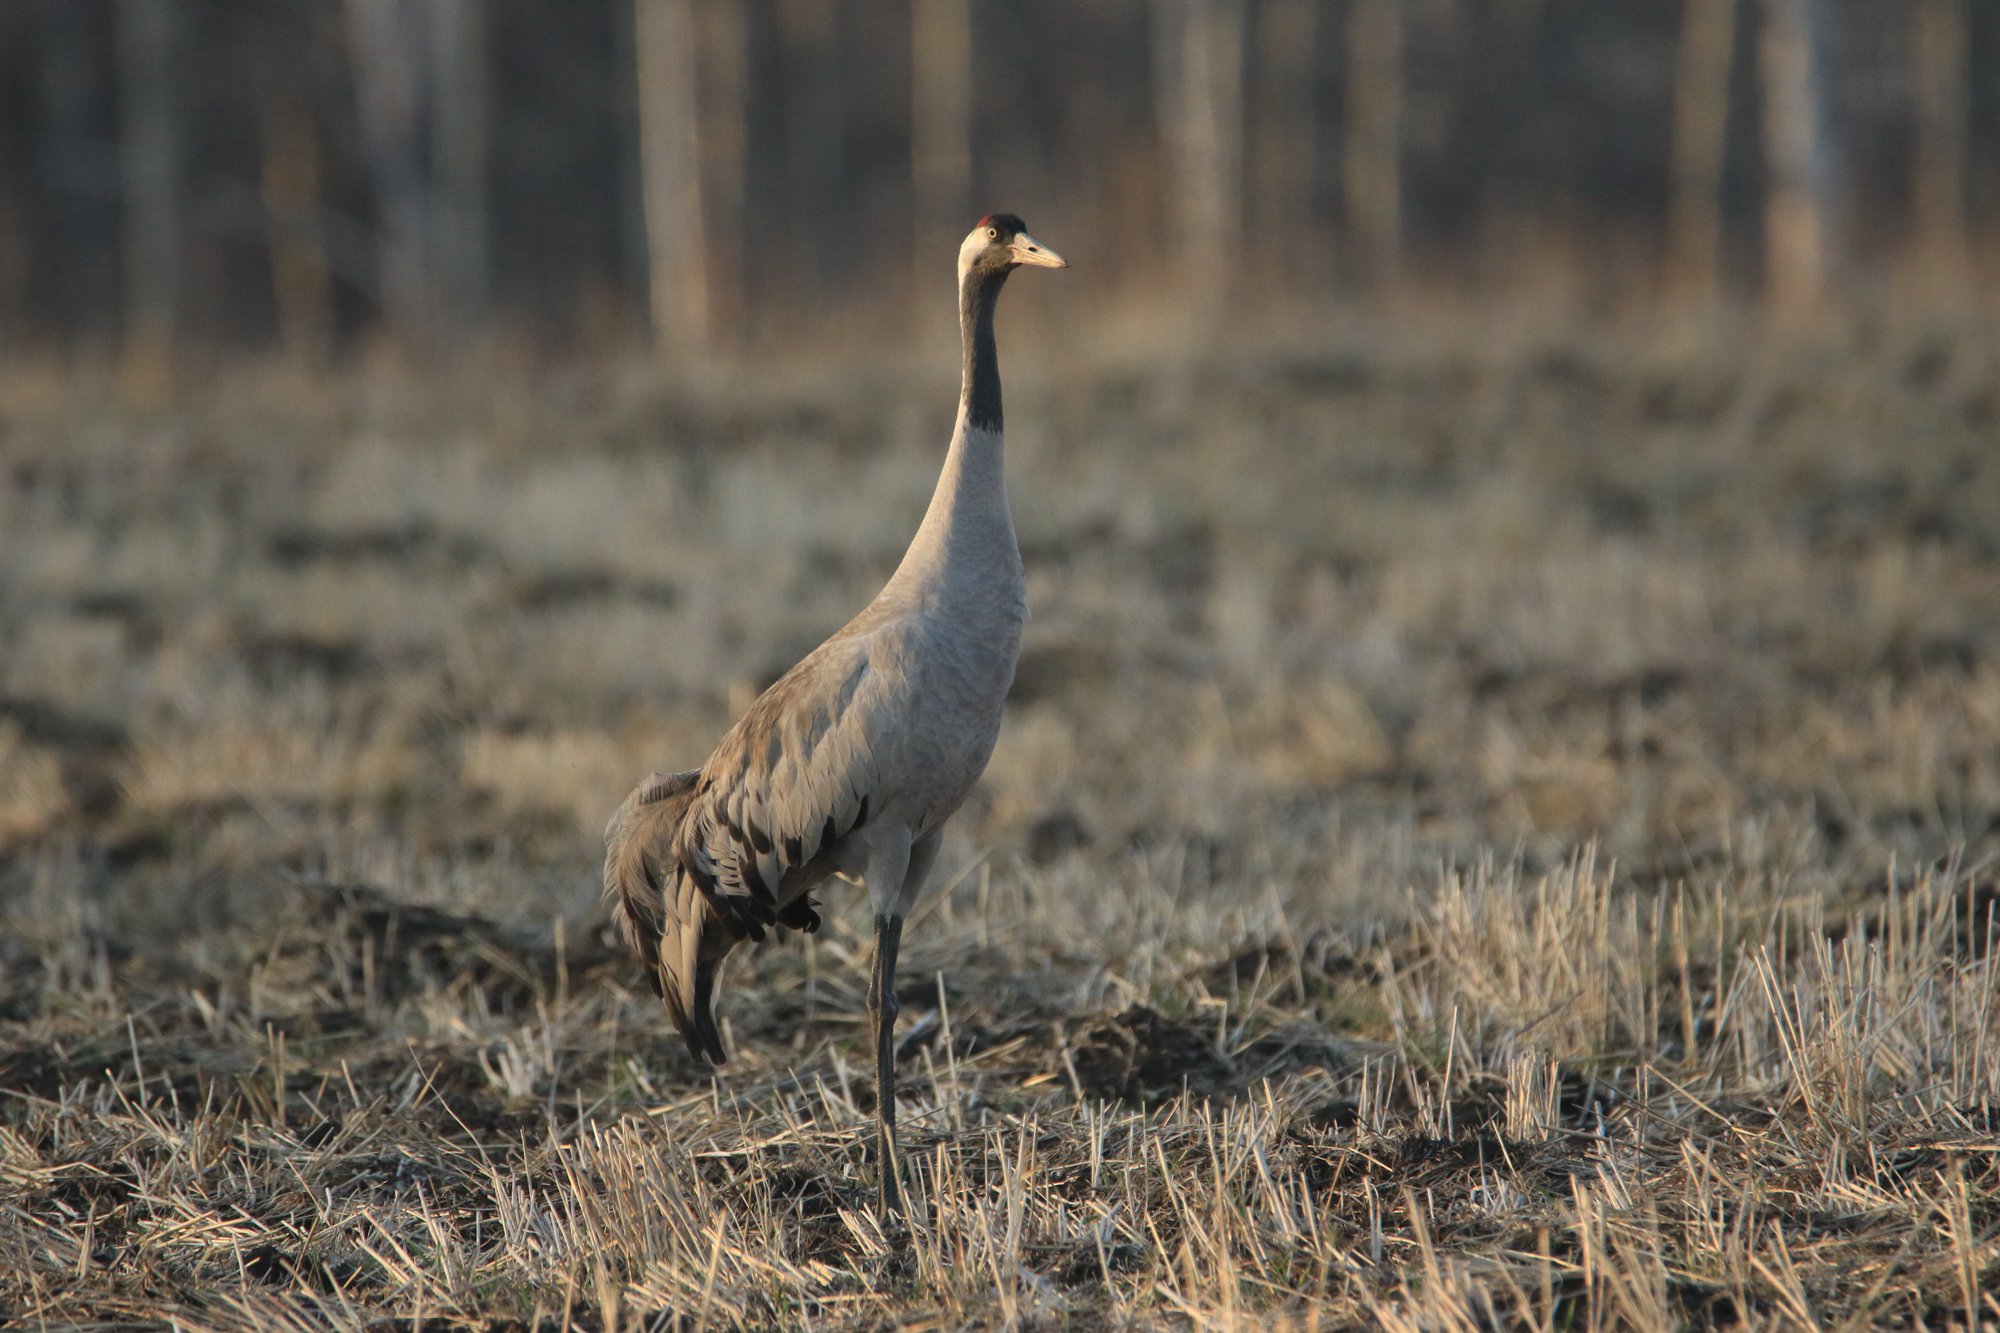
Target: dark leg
{"x":882,"y":1010}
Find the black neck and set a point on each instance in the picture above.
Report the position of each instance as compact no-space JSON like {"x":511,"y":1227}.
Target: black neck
{"x":980,"y":386}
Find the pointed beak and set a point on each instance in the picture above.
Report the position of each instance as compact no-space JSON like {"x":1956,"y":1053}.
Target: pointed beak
{"x":1027,"y":250}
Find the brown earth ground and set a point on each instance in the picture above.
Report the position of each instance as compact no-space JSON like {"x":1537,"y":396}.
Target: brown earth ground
{"x":1485,"y":834}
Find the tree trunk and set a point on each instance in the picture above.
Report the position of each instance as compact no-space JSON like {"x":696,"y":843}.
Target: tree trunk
{"x":634,"y":257}
{"x":1701,"y":122}
{"x":1198,"y":52}
{"x":721,"y":89}
{"x":390,"y":42}
{"x":288,"y":181}
{"x":940,"y":141}
{"x":1372,"y":159}
{"x":68,"y":77}
{"x":1287,"y":36}
{"x":1799,"y":158}
{"x":150,"y":164}
{"x":459,"y":139}
{"x":670,"y":165}
{"x":815,"y":131}
{"x":1937,"y":208}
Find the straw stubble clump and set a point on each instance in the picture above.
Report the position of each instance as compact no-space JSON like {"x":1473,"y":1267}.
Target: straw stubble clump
{"x":1480,"y":838}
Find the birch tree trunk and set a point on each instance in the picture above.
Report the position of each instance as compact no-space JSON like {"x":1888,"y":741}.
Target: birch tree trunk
{"x":723,"y":134}
{"x":149,"y":159}
{"x":634,"y":257}
{"x":1701,"y":122}
{"x":1286,"y":139}
{"x":1372,"y":171}
{"x":1198,"y":54}
{"x":459,"y":105}
{"x":1799,"y":158}
{"x":940,"y":141}
{"x":1941,"y":76}
{"x":390,"y":45}
{"x":288,"y":183}
{"x":65,"y":63}
{"x":670,"y":168}
{"x":815,"y":127}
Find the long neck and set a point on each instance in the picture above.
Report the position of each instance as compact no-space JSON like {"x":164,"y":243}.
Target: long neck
{"x":968,"y":533}
{"x":979,"y":380}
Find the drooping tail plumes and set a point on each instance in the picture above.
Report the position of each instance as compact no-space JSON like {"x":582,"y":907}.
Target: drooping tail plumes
{"x":668,"y":905}
{"x":659,"y":910}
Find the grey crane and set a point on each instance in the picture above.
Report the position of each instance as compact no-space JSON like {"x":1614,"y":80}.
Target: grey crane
{"x":852,"y":762}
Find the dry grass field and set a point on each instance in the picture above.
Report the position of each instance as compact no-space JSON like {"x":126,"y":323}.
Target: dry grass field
{"x":1488,"y":833}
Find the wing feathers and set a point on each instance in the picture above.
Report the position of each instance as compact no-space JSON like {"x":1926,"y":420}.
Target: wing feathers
{"x":789,"y":780}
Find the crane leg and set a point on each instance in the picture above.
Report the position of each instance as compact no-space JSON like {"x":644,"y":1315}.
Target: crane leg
{"x":882,"y":1010}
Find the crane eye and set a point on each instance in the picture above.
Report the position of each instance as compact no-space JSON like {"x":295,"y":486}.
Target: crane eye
{"x":993,"y":233}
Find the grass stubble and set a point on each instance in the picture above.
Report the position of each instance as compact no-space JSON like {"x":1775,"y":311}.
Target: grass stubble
{"x":1492,"y":835}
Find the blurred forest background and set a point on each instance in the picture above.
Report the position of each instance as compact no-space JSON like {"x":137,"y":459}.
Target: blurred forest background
{"x":181,"y":179}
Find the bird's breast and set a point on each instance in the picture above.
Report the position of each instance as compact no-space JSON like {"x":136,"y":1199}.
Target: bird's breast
{"x":961,"y":669}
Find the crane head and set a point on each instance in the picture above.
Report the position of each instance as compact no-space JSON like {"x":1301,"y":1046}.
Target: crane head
{"x":1001,"y":242}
